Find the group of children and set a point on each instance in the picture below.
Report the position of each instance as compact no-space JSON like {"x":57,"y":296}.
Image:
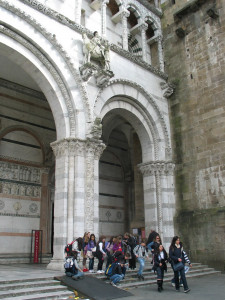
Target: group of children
{"x":121,"y":249}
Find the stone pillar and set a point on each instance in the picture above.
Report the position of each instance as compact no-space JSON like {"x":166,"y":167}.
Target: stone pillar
{"x":94,"y":149}
{"x":76,"y":207}
{"x":78,"y":11}
{"x":157,"y":3}
{"x":144,"y":27}
{"x":60,"y":149}
{"x":159,"y":198}
{"x":125,"y":15}
{"x":150,"y":200}
{"x":103,"y":17}
{"x":45,"y":210}
{"x":160,"y":53}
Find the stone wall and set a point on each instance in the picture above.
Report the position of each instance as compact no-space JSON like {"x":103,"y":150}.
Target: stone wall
{"x":194,"y":34}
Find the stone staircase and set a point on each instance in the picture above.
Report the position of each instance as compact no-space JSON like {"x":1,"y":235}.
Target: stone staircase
{"x":41,"y":288}
{"x":50,"y":288}
{"x":131,"y":281}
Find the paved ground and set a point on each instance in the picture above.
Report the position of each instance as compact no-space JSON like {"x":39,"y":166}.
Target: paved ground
{"x":210,"y":287}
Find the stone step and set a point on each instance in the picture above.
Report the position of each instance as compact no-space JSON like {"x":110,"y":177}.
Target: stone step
{"x":47,"y":296}
{"x":33,"y":290}
{"x":136,"y":284}
{"x":3,"y":282}
{"x":25,"y":284}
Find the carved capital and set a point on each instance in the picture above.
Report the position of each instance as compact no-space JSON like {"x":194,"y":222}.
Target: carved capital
{"x":74,"y":147}
{"x":157,"y":168}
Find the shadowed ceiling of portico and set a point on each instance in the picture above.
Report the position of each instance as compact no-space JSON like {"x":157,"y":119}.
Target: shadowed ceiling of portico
{"x":13,"y":72}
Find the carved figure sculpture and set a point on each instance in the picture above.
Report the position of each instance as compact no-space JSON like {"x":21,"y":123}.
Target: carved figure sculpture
{"x":96,"y":130}
{"x":96,"y":49}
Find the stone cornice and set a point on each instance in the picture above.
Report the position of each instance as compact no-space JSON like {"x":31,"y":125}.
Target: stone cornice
{"x":22,"y":89}
{"x":151,"y":8}
{"x":158,"y":166}
{"x":79,"y":28}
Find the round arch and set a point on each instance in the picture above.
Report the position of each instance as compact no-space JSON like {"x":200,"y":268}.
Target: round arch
{"x":34,"y":134}
{"x":144,"y":114}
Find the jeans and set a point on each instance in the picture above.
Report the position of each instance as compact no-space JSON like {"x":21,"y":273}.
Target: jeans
{"x":79,"y":274}
{"x":91,"y":263}
{"x":142,"y":265}
{"x":183,"y":278}
{"x":116,"y":278}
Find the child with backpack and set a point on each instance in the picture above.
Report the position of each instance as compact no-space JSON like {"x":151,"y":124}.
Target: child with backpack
{"x":141,"y":253}
{"x":117,"y":272}
{"x":72,"y":268}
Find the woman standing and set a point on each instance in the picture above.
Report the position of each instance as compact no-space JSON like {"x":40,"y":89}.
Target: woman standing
{"x":160,"y":259}
{"x":90,"y":249}
{"x":109,"y":251}
{"x":176,"y":255}
{"x":100,"y":253}
{"x":84,"y":250}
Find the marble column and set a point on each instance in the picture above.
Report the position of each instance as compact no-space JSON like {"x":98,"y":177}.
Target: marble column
{"x":159,"y":198}
{"x":160,"y":53}
{"x":125,"y":15}
{"x":60,"y":149}
{"x":143,"y":28}
{"x":103,"y":17}
{"x":78,"y":11}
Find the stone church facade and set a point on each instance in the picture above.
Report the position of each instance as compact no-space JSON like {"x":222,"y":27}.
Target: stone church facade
{"x":107,"y":122}
{"x":86,"y":141}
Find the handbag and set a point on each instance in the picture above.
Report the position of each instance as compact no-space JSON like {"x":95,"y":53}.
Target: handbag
{"x":178,"y":266}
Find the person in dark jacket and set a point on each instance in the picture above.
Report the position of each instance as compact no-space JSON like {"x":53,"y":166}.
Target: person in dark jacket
{"x":160,"y":260}
{"x":130,"y":242}
{"x":152,"y":236}
{"x":176,"y":255}
{"x":118,"y":272}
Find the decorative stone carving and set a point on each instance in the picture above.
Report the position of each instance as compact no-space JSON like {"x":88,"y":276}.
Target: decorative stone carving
{"x":33,"y":208}
{"x":168,"y":87}
{"x":96,"y":130}
{"x":75,"y":147}
{"x":96,"y":49}
{"x":157,"y":167}
{"x":103,"y":77}
{"x":2,"y":204}
{"x":17,"y":206}
{"x":87,"y":70}
{"x":18,"y":172}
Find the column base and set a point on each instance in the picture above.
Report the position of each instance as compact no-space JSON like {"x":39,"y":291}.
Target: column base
{"x":56,"y":264}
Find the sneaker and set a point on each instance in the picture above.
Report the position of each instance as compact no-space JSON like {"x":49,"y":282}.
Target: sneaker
{"x":85,"y":270}
{"x":186,"y":291}
{"x":173,"y":284}
{"x":91,"y":271}
{"x":181,"y":284}
{"x":103,"y":271}
{"x":99,"y":271}
{"x":142,"y":277}
{"x":113,"y":284}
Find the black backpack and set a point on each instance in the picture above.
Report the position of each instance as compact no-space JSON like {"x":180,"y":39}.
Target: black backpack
{"x":68,"y":248}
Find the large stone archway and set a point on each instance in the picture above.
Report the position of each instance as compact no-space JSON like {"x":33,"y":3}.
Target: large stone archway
{"x":136,"y":106}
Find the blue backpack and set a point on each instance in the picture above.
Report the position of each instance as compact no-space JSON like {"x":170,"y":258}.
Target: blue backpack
{"x":108,"y":271}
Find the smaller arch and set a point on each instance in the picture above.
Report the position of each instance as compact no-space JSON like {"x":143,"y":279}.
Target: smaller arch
{"x":34,"y":134}
{"x":140,"y":99}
